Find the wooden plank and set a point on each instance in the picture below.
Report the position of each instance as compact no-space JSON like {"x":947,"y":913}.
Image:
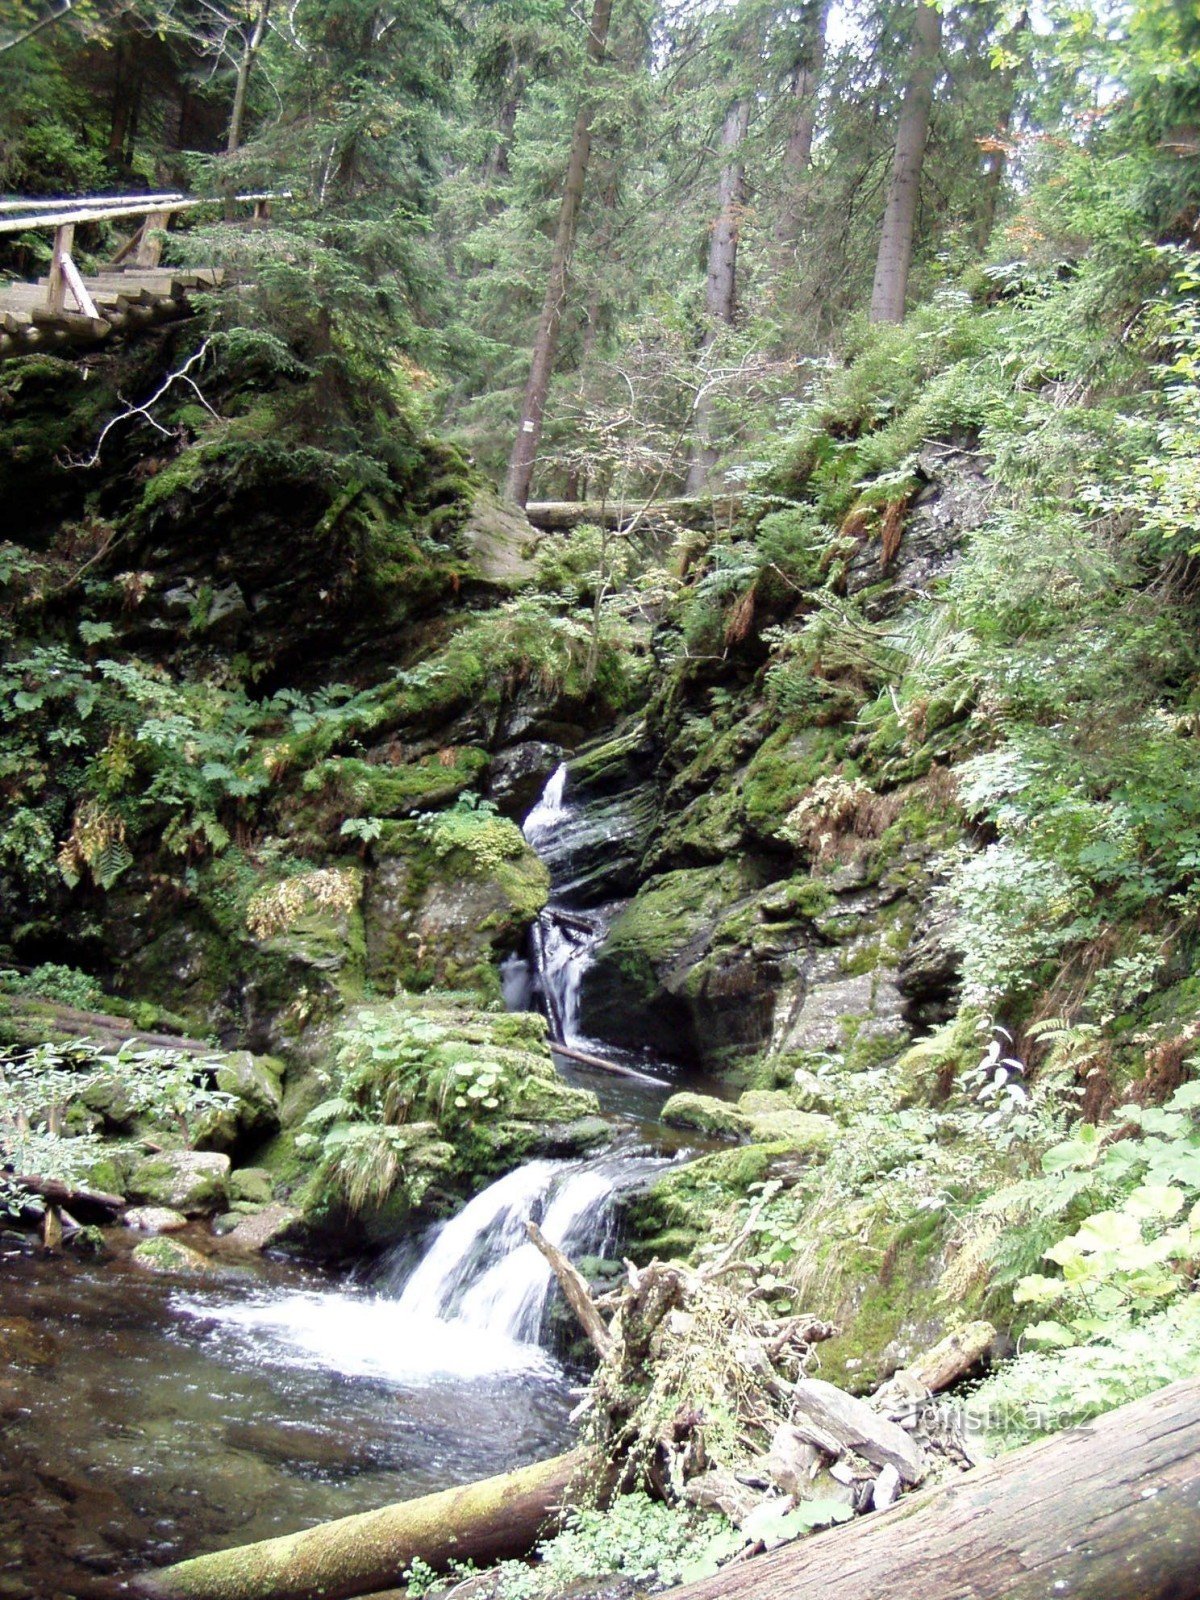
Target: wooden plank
{"x":73,"y":324}
{"x":77,"y":287}
{"x":56,"y":284}
{"x":1106,"y":1511}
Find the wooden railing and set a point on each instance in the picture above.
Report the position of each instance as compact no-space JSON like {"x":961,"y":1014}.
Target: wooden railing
{"x":143,"y":250}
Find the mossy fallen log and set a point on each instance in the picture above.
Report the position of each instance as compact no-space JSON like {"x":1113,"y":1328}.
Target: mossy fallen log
{"x":483,"y":1522}
{"x":1106,"y":1511}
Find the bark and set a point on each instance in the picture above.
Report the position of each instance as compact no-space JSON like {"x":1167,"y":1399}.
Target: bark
{"x":575,"y":1290}
{"x":995,"y":161}
{"x":545,"y":343}
{"x":1107,"y":1511}
{"x":489,"y":1521}
{"x":797,"y":156}
{"x":250,"y":49}
{"x":720,"y":292}
{"x":900,"y":214}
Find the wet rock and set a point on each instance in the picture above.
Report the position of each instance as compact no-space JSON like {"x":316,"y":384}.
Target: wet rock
{"x":439,"y":919}
{"x":953,"y":501}
{"x":169,"y":1255}
{"x":154,"y":1219}
{"x":191,"y":1181}
{"x":519,"y":774}
{"x":928,"y":972}
{"x":270,"y":1226}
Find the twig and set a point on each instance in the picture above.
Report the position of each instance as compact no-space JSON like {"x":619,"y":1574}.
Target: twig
{"x":181,"y":374}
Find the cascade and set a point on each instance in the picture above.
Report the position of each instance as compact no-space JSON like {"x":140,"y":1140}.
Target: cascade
{"x":564,"y":939}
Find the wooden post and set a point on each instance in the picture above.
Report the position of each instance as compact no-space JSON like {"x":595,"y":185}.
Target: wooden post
{"x":149,"y":248}
{"x":262,"y":211}
{"x":64,"y":237}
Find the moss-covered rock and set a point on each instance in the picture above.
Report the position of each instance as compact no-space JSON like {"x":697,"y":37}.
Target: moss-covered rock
{"x":169,"y":1255}
{"x":257,"y":1084}
{"x":251,"y":1185}
{"x":706,"y":1114}
{"x":437,"y":910}
{"x":772,"y":1116}
{"x":192,"y":1181}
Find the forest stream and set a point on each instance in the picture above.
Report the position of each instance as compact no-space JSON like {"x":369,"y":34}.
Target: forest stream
{"x":146,"y":1420}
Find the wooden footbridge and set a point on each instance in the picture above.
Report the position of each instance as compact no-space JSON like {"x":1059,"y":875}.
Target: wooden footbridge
{"x":66,"y":309}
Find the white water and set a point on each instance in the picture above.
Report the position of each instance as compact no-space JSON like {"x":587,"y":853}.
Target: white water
{"x":563,"y":941}
{"x":474,"y":1307}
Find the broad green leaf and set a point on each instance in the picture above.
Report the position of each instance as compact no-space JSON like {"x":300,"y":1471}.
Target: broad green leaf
{"x":1154,"y":1200}
{"x":1050,"y":1335}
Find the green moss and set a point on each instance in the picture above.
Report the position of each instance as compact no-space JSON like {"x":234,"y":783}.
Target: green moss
{"x":784,"y":766}
{"x":347,"y":787}
{"x":704,"y":1113}
{"x":677,"y":1213}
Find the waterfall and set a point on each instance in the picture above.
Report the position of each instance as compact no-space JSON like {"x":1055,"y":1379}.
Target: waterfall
{"x":563,"y":940}
{"x":475,"y":1306}
{"x":483,"y":1273}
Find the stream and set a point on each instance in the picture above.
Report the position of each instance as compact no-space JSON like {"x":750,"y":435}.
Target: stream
{"x":143,"y":1421}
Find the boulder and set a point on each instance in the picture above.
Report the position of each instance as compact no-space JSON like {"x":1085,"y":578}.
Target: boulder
{"x":168,"y":1255}
{"x":705,"y":1113}
{"x":251,"y":1185}
{"x":257,"y":1083}
{"x":772,"y":1117}
{"x":192,"y":1181}
{"x":154,"y":1219}
{"x":265,"y":1228}
{"x":519,"y":774}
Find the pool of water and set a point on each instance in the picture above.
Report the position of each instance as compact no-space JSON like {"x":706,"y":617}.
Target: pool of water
{"x":143,"y":1419}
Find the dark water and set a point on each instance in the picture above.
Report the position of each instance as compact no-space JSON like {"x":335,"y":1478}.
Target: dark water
{"x":143,"y":1419}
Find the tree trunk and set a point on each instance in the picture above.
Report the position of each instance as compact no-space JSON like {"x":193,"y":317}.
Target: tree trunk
{"x":720,"y":292}
{"x":490,"y":1521}
{"x":250,"y":49}
{"x":545,"y":344}
{"x":1107,"y":1511}
{"x":995,"y":160}
{"x":900,"y":215}
{"x":797,"y":157}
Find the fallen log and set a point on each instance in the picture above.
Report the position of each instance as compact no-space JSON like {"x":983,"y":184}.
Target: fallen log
{"x":66,"y":1194}
{"x":586,"y":1059}
{"x":1106,"y":1511}
{"x":703,"y":511}
{"x":482,"y":1522}
{"x":576,"y":1291}
{"x":103,"y":1027}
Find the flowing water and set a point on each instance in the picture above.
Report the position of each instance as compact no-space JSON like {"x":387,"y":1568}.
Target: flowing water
{"x":143,"y":1421}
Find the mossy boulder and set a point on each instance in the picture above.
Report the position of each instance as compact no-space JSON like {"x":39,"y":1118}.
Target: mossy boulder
{"x":169,"y":1255}
{"x":674,"y":1215}
{"x":251,"y":1186}
{"x":437,"y":911}
{"x":154,"y":1219}
{"x":773,"y":1117}
{"x":706,"y":1114}
{"x":257,"y":1084}
{"x":192,"y":1181}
